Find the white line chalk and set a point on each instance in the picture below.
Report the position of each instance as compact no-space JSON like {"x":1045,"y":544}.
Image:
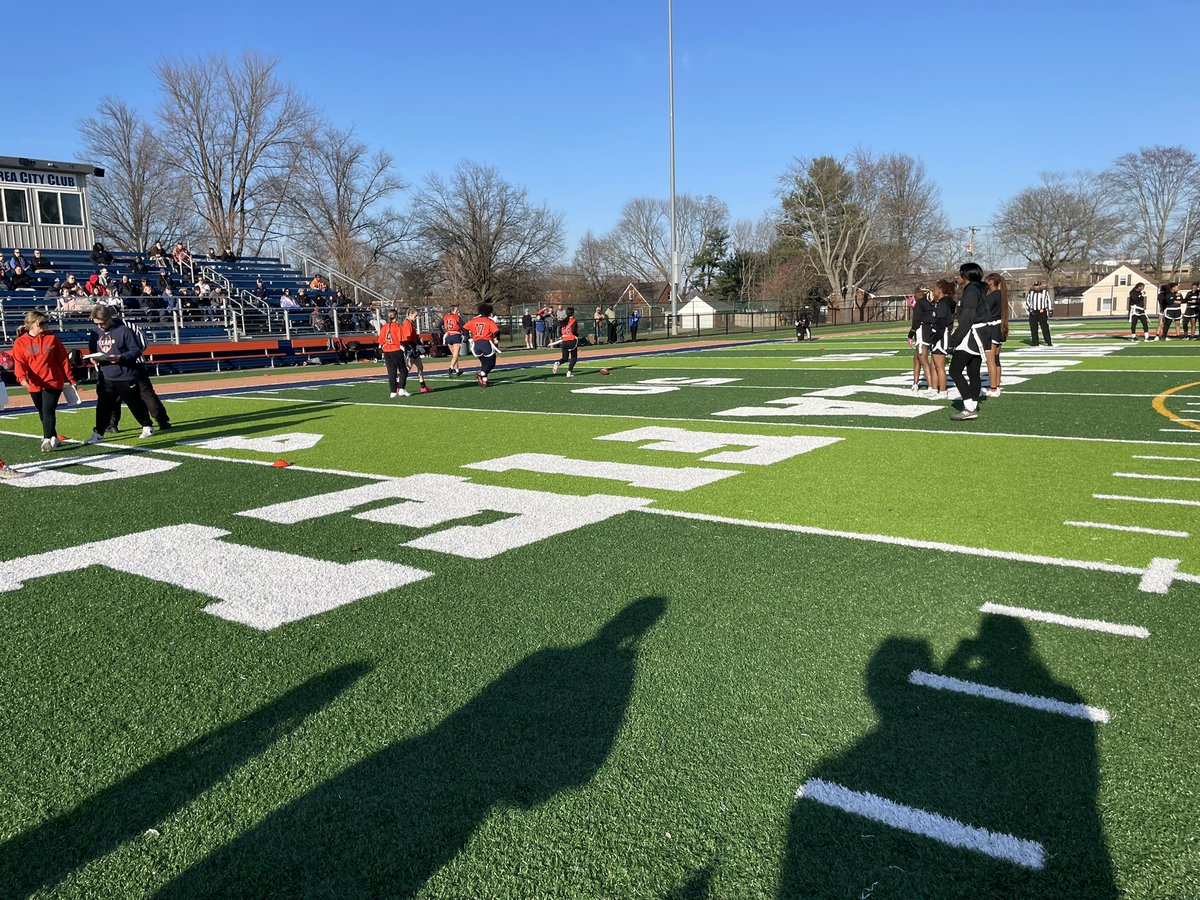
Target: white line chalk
{"x":1029,"y":701}
{"x":1037,"y":615}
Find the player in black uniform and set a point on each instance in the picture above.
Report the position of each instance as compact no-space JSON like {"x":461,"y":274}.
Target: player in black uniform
{"x":968,"y":339}
{"x":939,"y":336}
{"x":997,"y":328}
{"x":1191,"y":308}
{"x":1137,"y":312}
{"x":919,"y":337}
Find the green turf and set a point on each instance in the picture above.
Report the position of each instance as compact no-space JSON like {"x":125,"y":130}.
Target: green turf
{"x":625,"y":710}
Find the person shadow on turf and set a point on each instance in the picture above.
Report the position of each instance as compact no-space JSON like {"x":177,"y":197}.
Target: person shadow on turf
{"x":388,"y":823}
{"x":985,"y":763}
{"x":43,"y":856}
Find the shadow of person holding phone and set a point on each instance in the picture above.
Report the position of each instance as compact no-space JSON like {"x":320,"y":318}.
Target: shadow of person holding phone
{"x":987,"y":764}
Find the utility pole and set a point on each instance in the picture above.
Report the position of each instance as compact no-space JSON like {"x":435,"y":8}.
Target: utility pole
{"x":671,"y":116}
{"x":974,"y":229}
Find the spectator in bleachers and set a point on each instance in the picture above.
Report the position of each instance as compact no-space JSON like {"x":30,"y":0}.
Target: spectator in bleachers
{"x":211,"y":255}
{"x":164,"y":284}
{"x":17,"y":261}
{"x":95,"y":286}
{"x":320,"y":320}
{"x":340,"y":299}
{"x":260,"y":290}
{"x":203,"y":286}
{"x":228,"y":256}
{"x":125,"y":288}
{"x":181,"y":255}
{"x":99,"y":256}
{"x":53,"y":292}
{"x":158,"y":256}
{"x":287,"y":301}
{"x":138,"y":266}
{"x":218,"y":299}
{"x":39,"y":263}
{"x":72,"y":286}
{"x":70,"y":303}
{"x":104,"y":280}
{"x":319,"y":283}
{"x":302,"y":298}
{"x":18,"y":280}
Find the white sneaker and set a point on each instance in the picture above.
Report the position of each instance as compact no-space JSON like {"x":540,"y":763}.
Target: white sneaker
{"x":915,"y":388}
{"x":570,"y":374}
{"x":147,"y":431}
{"x":943,"y":395}
{"x":96,"y":438}
{"x":10,"y":472}
{"x":55,"y":443}
{"x":554,"y":369}
{"x":995,"y":392}
{"x":930,"y":394}
{"x":47,"y":445}
{"x":392,"y":395}
{"x":402,"y":393}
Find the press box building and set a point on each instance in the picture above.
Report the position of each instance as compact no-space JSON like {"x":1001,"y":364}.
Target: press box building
{"x":43,"y":204}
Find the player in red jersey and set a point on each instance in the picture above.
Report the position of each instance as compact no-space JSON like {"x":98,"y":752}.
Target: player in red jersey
{"x":483,"y":331}
{"x":452,"y":326}
{"x":570,"y":344}
{"x":410,"y":341}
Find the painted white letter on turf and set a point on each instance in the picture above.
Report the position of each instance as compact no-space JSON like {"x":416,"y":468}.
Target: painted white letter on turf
{"x":260,"y":588}
{"x":663,"y":478}
{"x":433,"y":500}
{"x":765,"y":449}
{"x":112,"y":466}
{"x":820,"y":406}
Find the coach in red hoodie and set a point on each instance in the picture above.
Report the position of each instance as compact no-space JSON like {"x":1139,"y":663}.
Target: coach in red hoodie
{"x":43,"y":368}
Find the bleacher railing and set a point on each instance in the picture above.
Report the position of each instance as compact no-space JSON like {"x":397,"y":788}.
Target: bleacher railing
{"x":359,"y":292}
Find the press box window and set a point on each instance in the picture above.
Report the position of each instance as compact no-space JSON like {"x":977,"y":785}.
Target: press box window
{"x":13,"y":207}
{"x":59,"y":209}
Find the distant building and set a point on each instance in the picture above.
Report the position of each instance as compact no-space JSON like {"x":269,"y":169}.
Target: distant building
{"x":1110,"y":295}
{"x":700,"y":311}
{"x":43,"y":204}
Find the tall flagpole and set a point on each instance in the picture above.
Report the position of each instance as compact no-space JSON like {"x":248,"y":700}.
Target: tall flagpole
{"x":671,"y":102}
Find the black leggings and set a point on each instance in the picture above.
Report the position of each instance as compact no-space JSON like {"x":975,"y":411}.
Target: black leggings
{"x":45,"y":402}
{"x":397,"y":369}
{"x":110,"y":394}
{"x":964,"y":369}
{"x":486,"y":364}
{"x":1133,"y":324}
{"x":570,"y":354}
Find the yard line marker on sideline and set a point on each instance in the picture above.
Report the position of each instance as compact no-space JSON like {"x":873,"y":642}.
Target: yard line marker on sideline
{"x":912,"y":543}
{"x":1025,"y":853}
{"x":1167,"y":500}
{"x":1172,"y":458}
{"x":1029,"y":701}
{"x":1154,"y":477}
{"x":1037,"y":615}
{"x":1136,"y":529}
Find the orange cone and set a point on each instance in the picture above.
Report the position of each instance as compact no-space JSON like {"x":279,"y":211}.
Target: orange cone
{"x":280,"y":464}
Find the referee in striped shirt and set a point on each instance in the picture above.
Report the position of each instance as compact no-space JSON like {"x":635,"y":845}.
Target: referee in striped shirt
{"x":1037,"y":304}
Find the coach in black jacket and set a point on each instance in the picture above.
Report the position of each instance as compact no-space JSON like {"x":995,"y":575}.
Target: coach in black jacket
{"x":968,"y":338}
{"x":117,"y":366}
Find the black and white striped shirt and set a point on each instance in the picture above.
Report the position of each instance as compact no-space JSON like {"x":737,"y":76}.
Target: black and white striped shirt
{"x":1037,"y":300}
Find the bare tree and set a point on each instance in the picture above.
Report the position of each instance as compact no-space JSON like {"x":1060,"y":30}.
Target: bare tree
{"x":337,"y":204}
{"x":910,"y":221}
{"x":1157,"y":190}
{"x":1057,"y":223}
{"x":830,"y":210}
{"x":237,"y":134}
{"x":641,"y":242}
{"x":593,"y":262}
{"x":487,"y":235}
{"x":138,"y":201}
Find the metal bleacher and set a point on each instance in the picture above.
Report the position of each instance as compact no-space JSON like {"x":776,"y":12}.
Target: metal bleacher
{"x":322,"y":329}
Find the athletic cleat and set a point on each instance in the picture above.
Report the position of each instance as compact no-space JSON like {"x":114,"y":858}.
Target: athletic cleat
{"x":994,"y":392}
{"x":402,"y":393}
{"x":392,"y":395}
{"x":426,"y":389}
{"x":915,"y":388}
{"x":96,"y":438}
{"x":480,"y":379}
{"x":964,"y":416}
{"x":111,"y":429}
{"x":10,"y":472}
{"x":163,"y":426}
{"x":47,"y":445}
{"x":570,"y":374}
{"x":554,"y":369}
{"x":147,"y":431}
{"x":55,"y":443}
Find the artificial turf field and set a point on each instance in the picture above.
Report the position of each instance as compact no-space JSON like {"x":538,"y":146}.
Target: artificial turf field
{"x":786,"y":631}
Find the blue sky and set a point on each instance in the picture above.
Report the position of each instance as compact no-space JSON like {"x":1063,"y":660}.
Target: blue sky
{"x":570,"y":99}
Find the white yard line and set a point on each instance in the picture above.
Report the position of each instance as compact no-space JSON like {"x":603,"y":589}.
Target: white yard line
{"x":250,"y":395}
{"x":1135,"y":529}
{"x":1154,"y":477}
{"x":1172,"y":458}
{"x":1165,"y":500}
{"x":1037,"y":615}
{"x":987,"y":692}
{"x":1024,"y":853}
{"x":988,"y":553}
